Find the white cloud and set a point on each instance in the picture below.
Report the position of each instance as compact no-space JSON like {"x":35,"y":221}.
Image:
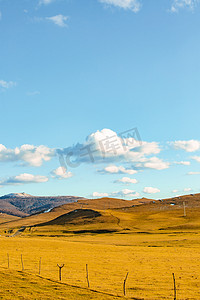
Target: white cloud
{"x":184,"y":163}
{"x":188,"y":146}
{"x":96,"y":194}
{"x":58,"y":20}
{"x":118,"y":194}
{"x":125,"y":193}
{"x":175,"y":191}
{"x":120,"y":170}
{"x":150,"y":190}
{"x":152,"y":163}
{"x":0,"y":15}
{"x":180,"y":4}
{"x":197,"y":158}
{"x":23,"y":179}
{"x":6,"y":84}
{"x":193,"y":173}
{"x":61,"y":173}
{"x":106,"y":146}
{"x":133,"y":5}
{"x":126,"y":180}
{"x":187,"y":189}
{"x":30,"y":154}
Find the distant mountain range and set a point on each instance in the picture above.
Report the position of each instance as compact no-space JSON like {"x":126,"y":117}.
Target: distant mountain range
{"x":104,"y":215}
{"x":16,"y":195}
{"x":22,"y":204}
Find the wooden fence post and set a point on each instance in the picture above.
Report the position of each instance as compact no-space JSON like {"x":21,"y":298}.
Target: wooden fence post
{"x":124,"y":285}
{"x":22,"y":263}
{"x":60,"y":268}
{"x":40,"y":265}
{"x":87,"y":276}
{"x":174,"y":286}
{"x":8,"y":260}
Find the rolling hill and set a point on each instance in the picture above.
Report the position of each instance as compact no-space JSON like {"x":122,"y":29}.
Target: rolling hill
{"x":101,"y":204}
{"x":111,"y":214}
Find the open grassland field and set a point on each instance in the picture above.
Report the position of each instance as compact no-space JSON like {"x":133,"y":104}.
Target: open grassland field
{"x":150,"y":241}
{"x":149,"y":259}
{"x":20,"y":285}
{"x":7,"y":218}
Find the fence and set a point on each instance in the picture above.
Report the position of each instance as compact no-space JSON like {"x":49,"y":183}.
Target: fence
{"x":90,"y":278}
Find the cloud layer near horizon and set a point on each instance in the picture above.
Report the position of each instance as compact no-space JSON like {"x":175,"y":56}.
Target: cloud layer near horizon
{"x":23,"y":179}
{"x":119,"y":194}
{"x":115,"y":154}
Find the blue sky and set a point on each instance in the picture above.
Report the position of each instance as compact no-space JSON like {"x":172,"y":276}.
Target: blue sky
{"x":72,"y":69}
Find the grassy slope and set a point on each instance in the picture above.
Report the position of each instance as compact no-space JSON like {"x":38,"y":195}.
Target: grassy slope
{"x":149,"y":258}
{"x":153,"y":218}
{"x":96,"y":204}
{"x":20,"y":285}
{"x":7,"y":218}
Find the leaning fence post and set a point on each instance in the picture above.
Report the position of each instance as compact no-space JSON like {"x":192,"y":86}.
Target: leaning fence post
{"x":87,"y":276}
{"x":22,"y":263}
{"x":60,"y":268}
{"x":8,"y":260}
{"x":174,"y":286}
{"x":124,"y":285}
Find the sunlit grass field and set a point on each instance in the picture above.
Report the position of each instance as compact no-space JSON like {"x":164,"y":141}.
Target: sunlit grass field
{"x":150,"y":260}
{"x":150,"y":242}
{"x":21,"y":285}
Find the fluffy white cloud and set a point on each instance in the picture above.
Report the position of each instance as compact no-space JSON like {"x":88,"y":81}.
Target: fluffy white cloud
{"x":150,"y":190}
{"x":30,"y":154}
{"x":152,"y":163}
{"x":126,"y":180}
{"x":189,"y":146}
{"x":127,"y":191}
{"x":184,"y":163}
{"x":6,"y":84}
{"x":133,"y":5}
{"x":175,"y":191}
{"x":96,"y":194}
{"x":193,"y":173}
{"x":106,"y":146}
{"x":61,"y":173}
{"x":58,"y":20}
{"x":180,"y":4}
{"x":197,"y":158}
{"x":23,"y":179}
{"x":187,"y":189}
{"x":120,"y":170}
